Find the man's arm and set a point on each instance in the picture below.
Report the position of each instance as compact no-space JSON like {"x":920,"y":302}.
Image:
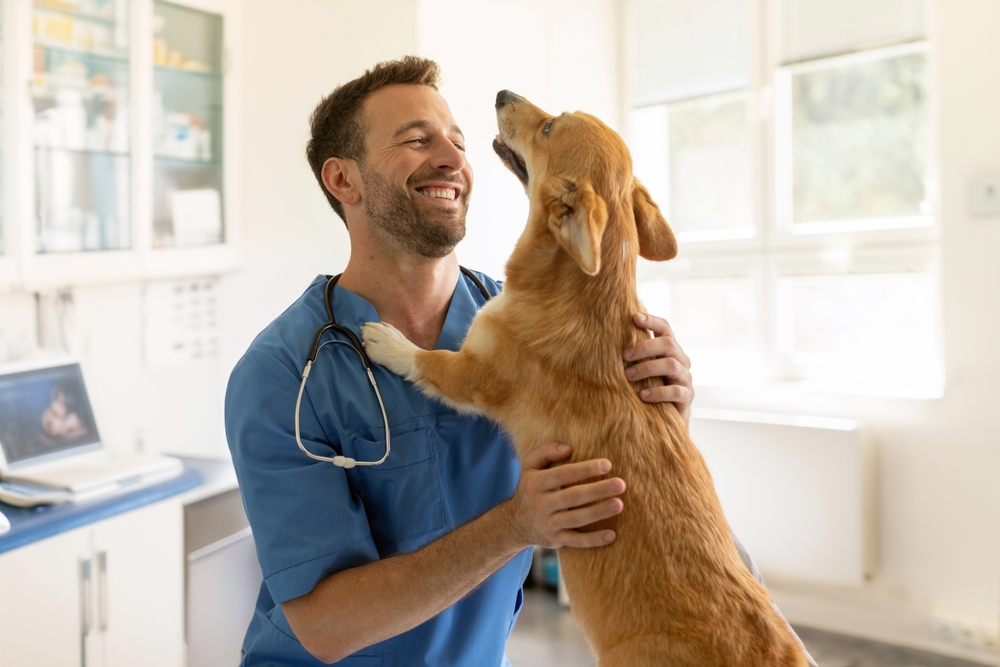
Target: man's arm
{"x":360,"y":606}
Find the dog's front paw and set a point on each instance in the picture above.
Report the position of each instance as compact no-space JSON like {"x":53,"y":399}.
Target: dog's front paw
{"x":387,"y":347}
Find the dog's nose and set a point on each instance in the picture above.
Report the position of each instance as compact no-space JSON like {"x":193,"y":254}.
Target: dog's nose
{"x":505,"y":97}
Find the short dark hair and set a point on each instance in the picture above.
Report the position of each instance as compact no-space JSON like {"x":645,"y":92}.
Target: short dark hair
{"x":336,"y":124}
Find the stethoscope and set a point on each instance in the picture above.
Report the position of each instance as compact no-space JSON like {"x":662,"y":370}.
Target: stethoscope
{"x":354,"y":344}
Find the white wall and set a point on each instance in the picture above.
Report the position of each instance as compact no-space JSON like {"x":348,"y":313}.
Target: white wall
{"x":560,"y":54}
{"x":295,"y":52}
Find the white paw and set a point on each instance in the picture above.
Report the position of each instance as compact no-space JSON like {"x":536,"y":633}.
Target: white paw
{"x":387,"y":347}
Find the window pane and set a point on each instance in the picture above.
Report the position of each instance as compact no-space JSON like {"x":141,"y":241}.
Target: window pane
{"x":648,"y":145}
{"x":711,"y":170}
{"x":188,"y":106}
{"x":79,"y":91}
{"x":715,"y":320}
{"x":860,"y":327}
{"x":859,"y":145}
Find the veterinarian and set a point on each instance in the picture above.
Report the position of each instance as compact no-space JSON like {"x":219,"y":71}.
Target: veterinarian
{"x":418,"y":560}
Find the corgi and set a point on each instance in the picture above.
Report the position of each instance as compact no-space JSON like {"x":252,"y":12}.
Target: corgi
{"x":543,"y":359}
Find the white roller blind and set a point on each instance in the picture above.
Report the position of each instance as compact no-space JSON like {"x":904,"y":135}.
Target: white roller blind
{"x":815,"y":28}
{"x":687,"y":48}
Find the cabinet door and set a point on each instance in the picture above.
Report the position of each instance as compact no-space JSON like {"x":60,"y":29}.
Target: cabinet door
{"x":80,"y":93}
{"x":139,"y":585}
{"x":43,"y":592}
{"x":188,"y":105}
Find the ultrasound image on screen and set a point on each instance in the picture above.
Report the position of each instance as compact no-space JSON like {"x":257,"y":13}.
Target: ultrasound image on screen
{"x":44,"y":411}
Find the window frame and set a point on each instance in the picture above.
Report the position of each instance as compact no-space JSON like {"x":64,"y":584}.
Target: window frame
{"x":775,"y":251}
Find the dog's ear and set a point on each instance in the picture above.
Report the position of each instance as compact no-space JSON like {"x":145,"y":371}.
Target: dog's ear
{"x":656,"y":239}
{"x":577,"y":217}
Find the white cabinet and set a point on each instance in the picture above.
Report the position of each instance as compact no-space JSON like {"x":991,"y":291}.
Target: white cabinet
{"x":117,"y":141}
{"x":106,"y":595}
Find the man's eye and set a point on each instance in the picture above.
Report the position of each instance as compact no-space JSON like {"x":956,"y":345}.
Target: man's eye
{"x":415,"y":140}
{"x":459,"y":146}
{"x":548,"y":125}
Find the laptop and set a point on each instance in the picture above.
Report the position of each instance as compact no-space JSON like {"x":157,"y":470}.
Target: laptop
{"x":49,"y":440}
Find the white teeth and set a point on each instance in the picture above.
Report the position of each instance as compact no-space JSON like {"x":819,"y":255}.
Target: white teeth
{"x":437,"y":194}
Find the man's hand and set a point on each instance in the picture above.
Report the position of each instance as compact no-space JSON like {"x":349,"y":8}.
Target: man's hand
{"x":663,"y":358}
{"x":550,"y":504}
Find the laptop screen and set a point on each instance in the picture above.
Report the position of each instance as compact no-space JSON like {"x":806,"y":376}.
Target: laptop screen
{"x":44,"y":412}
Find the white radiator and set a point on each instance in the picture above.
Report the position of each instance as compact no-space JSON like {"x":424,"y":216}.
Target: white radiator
{"x":799,"y":492}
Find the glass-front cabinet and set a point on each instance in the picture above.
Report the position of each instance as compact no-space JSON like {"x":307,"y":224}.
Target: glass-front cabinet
{"x":187,"y":126}
{"x":80,"y":95}
{"x":116,"y":119}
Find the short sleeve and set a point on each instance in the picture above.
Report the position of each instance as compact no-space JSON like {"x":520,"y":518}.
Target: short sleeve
{"x":307,"y":523}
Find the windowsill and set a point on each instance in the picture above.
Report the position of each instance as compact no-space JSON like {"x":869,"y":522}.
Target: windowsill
{"x":816,"y":387}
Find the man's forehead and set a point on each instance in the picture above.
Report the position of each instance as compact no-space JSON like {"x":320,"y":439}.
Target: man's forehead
{"x":395,"y":109}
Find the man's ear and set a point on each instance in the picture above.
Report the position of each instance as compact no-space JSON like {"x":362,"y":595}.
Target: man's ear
{"x":656,"y":239}
{"x":577,"y":217}
{"x":341,"y":180}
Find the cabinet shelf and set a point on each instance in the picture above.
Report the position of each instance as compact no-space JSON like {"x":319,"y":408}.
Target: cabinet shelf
{"x":186,"y":162}
{"x":84,"y":54}
{"x":176,"y":71}
{"x":82,"y":151}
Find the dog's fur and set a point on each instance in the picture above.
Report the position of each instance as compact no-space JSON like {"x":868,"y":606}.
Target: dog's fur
{"x":544,"y":360}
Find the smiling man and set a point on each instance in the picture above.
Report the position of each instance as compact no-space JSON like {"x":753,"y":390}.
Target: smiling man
{"x":417,"y":560}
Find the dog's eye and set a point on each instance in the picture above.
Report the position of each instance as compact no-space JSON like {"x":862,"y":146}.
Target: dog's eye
{"x":548,"y":126}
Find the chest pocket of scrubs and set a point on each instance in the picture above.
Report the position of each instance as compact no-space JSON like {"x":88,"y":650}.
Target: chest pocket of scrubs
{"x":402,"y":495}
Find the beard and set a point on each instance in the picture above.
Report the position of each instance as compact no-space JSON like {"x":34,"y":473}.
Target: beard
{"x":394,"y":212}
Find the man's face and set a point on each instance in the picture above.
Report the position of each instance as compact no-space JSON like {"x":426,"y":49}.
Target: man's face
{"x":415,"y":178}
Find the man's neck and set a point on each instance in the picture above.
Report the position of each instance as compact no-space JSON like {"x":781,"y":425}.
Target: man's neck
{"x":411,"y":293}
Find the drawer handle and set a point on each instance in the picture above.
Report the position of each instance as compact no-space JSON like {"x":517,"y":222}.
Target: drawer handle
{"x":86,"y":599}
{"x":102,"y":590}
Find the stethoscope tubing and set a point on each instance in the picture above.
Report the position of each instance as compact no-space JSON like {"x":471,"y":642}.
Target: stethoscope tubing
{"x":347,"y":462}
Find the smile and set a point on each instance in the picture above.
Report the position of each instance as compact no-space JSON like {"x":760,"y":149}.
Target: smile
{"x":438,"y":193}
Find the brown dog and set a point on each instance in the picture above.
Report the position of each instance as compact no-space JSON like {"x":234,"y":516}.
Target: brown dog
{"x":544,"y":360}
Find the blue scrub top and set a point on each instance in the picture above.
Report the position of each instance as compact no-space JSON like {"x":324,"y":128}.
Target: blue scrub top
{"x":311,"y":518}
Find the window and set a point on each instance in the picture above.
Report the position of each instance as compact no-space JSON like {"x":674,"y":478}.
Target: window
{"x":798,"y":185}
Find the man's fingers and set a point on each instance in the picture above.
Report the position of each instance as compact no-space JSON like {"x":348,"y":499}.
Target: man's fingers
{"x":585,"y":494}
{"x":578,"y":540}
{"x":572,"y":473}
{"x":671,"y":393}
{"x":546,"y":454}
{"x":665,"y":367}
{"x":584,"y":516}
{"x":657,"y":325}
{"x":658,"y":347}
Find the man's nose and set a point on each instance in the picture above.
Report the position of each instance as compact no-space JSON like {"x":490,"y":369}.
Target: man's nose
{"x":448,"y":156}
